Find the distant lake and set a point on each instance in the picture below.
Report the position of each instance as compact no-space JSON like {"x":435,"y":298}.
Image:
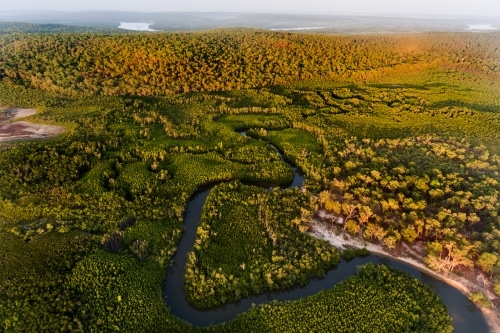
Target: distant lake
{"x":135,"y":26}
{"x":481,"y":27}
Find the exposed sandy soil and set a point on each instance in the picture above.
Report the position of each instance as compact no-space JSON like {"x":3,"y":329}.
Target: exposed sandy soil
{"x":15,"y":113}
{"x":11,"y":130}
{"x":413,"y":255}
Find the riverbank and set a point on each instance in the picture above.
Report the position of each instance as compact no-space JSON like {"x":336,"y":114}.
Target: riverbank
{"x":410,"y":255}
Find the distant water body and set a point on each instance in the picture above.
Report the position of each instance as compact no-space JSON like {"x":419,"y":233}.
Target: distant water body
{"x":306,"y":28}
{"x":136,"y":26}
{"x":481,"y":27}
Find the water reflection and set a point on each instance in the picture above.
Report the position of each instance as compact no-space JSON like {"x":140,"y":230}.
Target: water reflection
{"x":431,"y":282}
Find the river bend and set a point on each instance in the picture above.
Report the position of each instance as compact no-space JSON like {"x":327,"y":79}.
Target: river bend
{"x":467,"y":318}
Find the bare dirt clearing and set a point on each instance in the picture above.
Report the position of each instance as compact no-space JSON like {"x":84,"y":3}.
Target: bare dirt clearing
{"x":15,"y":113}
{"x":24,"y":130}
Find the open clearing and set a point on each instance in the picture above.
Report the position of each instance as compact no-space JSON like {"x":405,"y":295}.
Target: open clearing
{"x":24,"y":130}
{"x":15,"y":113}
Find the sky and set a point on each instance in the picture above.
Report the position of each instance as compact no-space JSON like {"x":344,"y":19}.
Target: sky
{"x":365,"y":7}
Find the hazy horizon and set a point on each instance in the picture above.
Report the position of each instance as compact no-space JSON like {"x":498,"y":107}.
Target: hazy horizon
{"x":395,"y":15}
{"x":425,"y":8}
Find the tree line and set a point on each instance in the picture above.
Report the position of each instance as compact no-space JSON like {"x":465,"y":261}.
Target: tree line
{"x":224,"y":60}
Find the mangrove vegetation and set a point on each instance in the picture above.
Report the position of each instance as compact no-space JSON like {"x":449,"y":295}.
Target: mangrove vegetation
{"x":398,"y":135}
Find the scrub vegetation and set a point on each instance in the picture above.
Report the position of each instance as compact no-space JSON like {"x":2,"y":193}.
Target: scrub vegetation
{"x":399,"y":134}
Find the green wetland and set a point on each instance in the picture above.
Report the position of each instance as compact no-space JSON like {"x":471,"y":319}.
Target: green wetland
{"x":462,"y":311}
{"x":397,"y":136}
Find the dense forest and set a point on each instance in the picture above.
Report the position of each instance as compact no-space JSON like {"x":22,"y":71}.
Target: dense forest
{"x":236,"y":217}
{"x":348,"y":307}
{"x":223,"y":60}
{"x":11,"y":27}
{"x":396,"y":134}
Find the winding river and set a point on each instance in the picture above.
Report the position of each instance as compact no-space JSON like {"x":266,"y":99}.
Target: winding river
{"x":466,"y":316}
